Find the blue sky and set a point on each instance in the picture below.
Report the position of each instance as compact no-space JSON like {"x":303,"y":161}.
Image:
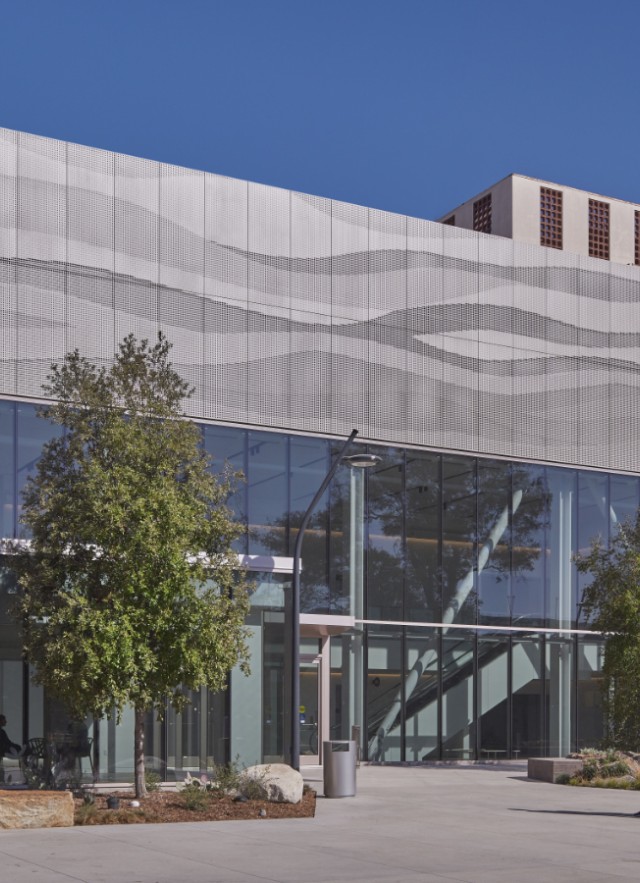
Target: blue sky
{"x":406,"y":105}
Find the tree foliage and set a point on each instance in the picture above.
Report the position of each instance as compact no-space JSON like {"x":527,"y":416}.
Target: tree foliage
{"x":130,"y":590}
{"x":611,"y":604}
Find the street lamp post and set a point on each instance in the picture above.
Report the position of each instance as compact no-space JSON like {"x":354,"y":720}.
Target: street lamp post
{"x":356,"y":460}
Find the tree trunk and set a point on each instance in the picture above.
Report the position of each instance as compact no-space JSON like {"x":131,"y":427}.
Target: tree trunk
{"x":138,"y":754}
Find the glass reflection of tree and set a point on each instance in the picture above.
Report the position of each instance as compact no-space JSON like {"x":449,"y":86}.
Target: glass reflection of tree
{"x":480,"y":523}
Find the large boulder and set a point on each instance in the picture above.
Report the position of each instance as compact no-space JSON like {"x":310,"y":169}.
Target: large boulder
{"x":276,"y":782}
{"x":36,"y":809}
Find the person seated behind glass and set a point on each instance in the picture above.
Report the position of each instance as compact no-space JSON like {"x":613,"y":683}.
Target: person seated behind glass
{"x":7,"y":747}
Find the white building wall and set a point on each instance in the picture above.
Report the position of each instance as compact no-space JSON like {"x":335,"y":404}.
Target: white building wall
{"x":516,"y":214}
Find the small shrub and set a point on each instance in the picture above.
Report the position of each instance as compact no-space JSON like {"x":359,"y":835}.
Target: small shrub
{"x":195,"y":796}
{"x":152,"y":781}
{"x":85,"y":813}
{"x":614,"y":769}
{"x":563,"y":779}
{"x":589,"y":770}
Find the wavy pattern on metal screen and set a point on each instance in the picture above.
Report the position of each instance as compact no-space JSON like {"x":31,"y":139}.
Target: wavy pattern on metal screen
{"x":296,"y":312}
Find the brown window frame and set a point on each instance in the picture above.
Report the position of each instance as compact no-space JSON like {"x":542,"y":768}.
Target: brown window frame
{"x":551,"y":217}
{"x":599,"y":229}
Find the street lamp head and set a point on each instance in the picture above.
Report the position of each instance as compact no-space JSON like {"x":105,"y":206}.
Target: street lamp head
{"x":362,"y":461}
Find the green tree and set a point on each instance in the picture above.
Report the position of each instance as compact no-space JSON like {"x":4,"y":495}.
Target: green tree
{"x":611,"y":604}
{"x":130,"y":591}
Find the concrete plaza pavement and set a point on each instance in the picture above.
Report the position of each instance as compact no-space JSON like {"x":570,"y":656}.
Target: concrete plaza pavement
{"x":462,"y":824}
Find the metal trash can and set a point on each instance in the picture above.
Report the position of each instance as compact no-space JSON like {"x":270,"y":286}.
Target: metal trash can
{"x":339,"y":768}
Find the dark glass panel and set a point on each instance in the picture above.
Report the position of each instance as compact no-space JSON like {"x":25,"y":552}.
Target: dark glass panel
{"x":560,"y":687}
{"x":340,"y":502}
{"x":421,"y":695}
{"x":493,"y":695}
{"x":228,"y":446}
{"x":458,"y":703}
{"x":527,"y":697}
{"x":10,"y":641}
{"x":590,"y":723}
{"x":624,"y":499}
{"x":593,"y":521}
{"x":459,"y":539}
{"x":33,"y":433}
{"x":561,"y":545}
{"x":494,"y":542}
{"x":528,"y":524}
{"x":422,"y":526}
{"x":384,"y":694}
{"x":309,"y":464}
{"x":267,"y":486}
{"x":385,"y":526}
{"x":7,"y":469}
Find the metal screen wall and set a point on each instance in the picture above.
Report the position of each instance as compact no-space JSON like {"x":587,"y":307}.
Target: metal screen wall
{"x":295,"y":312}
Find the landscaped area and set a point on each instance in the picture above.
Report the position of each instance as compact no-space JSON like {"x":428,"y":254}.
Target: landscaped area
{"x":605,"y":769}
{"x":188,"y":805}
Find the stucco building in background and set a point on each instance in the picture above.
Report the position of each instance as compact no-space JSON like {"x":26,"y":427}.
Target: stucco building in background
{"x":496,"y":378}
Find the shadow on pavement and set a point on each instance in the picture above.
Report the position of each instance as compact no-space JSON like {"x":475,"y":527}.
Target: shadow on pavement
{"x":577,"y":812}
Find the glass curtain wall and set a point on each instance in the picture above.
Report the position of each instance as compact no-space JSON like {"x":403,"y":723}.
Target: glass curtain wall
{"x":449,"y":543}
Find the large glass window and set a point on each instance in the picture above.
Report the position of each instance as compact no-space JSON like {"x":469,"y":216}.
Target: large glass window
{"x":593,"y":521}
{"x":560,"y":692}
{"x":590,"y":723}
{"x":493,"y":695}
{"x":459,"y":539}
{"x":309,"y":464}
{"x":458,"y":698}
{"x":33,"y":433}
{"x":384,"y":694}
{"x":227,"y":447}
{"x":527,"y":697}
{"x":494,"y":555}
{"x":624,"y":499}
{"x":7,"y":469}
{"x":268,"y":498}
{"x":561,"y":545}
{"x":529,"y":519}
{"x":423,"y":600}
{"x":421,"y":694}
{"x":385,"y":571}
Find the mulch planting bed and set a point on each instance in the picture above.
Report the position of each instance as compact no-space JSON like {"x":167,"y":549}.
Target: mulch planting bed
{"x":169,"y":806}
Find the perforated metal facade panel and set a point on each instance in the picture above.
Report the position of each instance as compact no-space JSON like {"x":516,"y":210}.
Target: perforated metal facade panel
{"x":295,"y":312}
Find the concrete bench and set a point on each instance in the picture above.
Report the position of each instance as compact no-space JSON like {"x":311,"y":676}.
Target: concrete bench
{"x":547,"y":769}
{"x":36,"y":809}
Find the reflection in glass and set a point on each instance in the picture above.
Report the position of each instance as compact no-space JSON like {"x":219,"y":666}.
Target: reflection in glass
{"x":385,"y":564}
{"x":458,"y":714}
{"x":33,"y":433}
{"x":267,"y":487}
{"x":624,"y":493}
{"x":421,"y":715}
{"x":459,"y":539}
{"x":493,"y":694}
{"x":494,"y":579}
{"x":384,"y":653}
{"x":593,"y":521}
{"x":528,"y":542}
{"x":590,"y":723}
{"x":7,"y":469}
{"x":346,"y":685}
{"x":227,"y":447}
{"x":423,"y":599}
{"x":559,"y":692}
{"x":527,"y":696}
{"x":561,"y":543}
{"x":309,"y":464}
